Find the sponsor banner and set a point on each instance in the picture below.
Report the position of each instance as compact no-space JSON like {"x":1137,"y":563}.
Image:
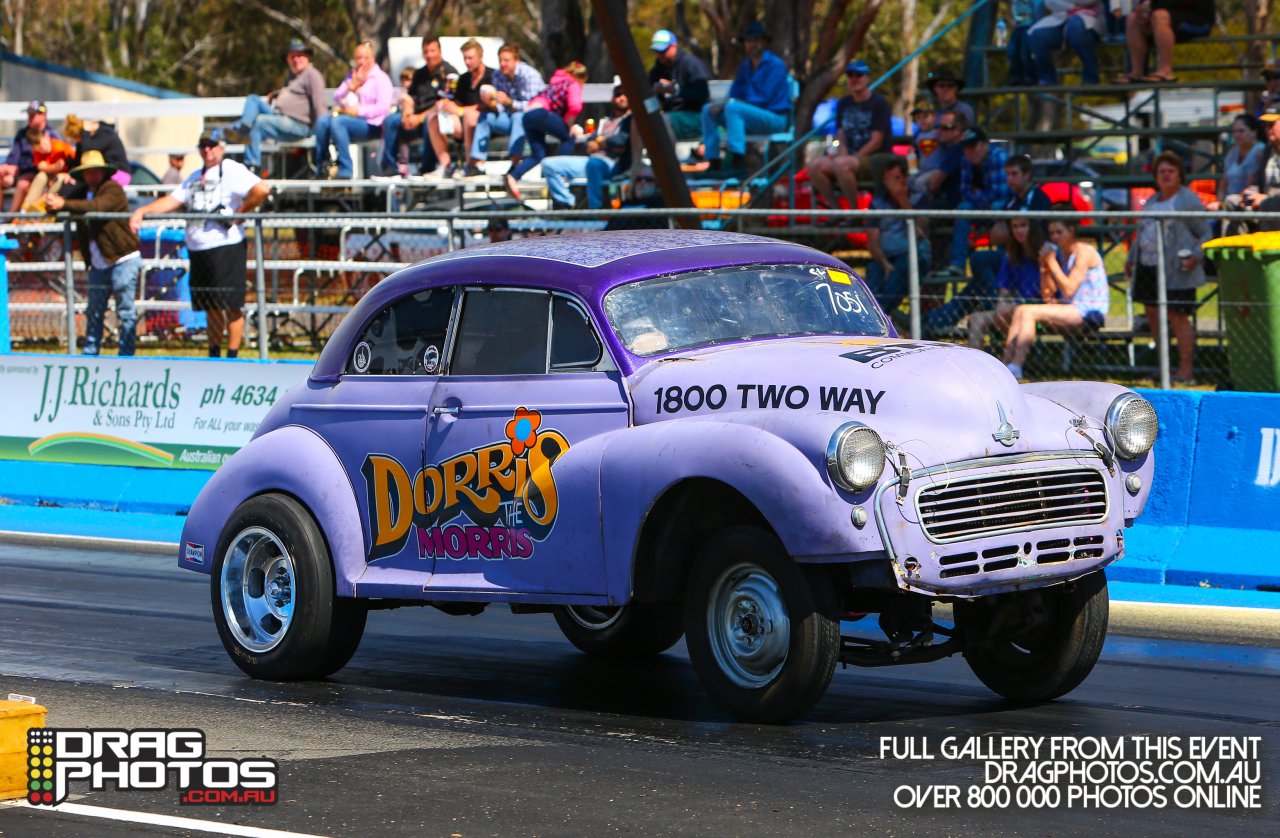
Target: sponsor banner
{"x":161,"y":413}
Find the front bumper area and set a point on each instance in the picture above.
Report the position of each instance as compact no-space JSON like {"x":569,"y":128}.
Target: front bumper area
{"x":1001,"y":524}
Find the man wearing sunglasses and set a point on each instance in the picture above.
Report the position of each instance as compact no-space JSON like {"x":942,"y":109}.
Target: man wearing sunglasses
{"x":862,"y":121}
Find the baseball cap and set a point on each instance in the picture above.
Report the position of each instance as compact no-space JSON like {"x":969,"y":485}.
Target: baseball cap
{"x":209,"y":139}
{"x":858,"y":66}
{"x":297,"y":45}
{"x":922,"y":106}
{"x":974,"y":136}
{"x":1271,"y":114}
{"x":662,"y":39}
{"x":36,"y":106}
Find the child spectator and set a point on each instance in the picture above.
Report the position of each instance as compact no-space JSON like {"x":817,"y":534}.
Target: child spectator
{"x":1073,"y":283}
{"x":53,"y":157}
{"x":1078,"y":23}
{"x":1017,"y":282}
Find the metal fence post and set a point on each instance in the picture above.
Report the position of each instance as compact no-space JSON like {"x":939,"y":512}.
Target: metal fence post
{"x":69,"y":282}
{"x":1162,"y":306}
{"x":260,"y":288}
{"x":913,"y":278}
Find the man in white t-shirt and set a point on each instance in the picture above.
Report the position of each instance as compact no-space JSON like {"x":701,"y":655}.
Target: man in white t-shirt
{"x":216,"y":248}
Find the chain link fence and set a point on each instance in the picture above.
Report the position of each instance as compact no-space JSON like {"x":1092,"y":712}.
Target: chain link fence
{"x":314,"y":268}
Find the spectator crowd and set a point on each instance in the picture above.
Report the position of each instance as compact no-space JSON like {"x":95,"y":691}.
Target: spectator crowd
{"x":1017,"y":276}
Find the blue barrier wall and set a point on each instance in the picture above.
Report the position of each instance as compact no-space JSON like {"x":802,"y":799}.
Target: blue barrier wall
{"x":1213,"y":519}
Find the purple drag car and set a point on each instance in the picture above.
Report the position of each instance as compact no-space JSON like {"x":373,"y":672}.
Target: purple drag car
{"x":664,"y":433}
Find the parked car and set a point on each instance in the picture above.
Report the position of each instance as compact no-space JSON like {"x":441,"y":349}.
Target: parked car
{"x":664,"y":433}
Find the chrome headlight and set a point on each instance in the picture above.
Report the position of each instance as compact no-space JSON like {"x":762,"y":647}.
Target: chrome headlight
{"x":855,"y":456}
{"x":1132,"y":424}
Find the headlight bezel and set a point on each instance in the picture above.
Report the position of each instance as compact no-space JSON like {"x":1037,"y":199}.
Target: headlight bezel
{"x":838,"y":439}
{"x":1115,"y":414}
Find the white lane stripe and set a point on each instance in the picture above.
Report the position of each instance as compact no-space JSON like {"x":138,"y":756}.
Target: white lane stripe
{"x":1257,"y":610}
{"x":159,"y":820}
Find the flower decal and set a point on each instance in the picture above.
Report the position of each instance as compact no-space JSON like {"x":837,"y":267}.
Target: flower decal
{"x":523,"y":430}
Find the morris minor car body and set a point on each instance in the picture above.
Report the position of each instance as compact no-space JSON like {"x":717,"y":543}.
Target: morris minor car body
{"x":664,"y":433}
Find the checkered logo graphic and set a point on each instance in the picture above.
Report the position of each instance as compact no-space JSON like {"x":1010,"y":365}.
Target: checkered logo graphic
{"x":41,"y":760}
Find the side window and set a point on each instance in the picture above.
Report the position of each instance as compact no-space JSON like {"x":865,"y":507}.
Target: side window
{"x":574,"y":344}
{"x":502,"y":332}
{"x":406,"y":338}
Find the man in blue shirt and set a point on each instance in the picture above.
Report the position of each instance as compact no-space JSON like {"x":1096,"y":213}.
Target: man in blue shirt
{"x":759,"y":101}
{"x":982,"y":187}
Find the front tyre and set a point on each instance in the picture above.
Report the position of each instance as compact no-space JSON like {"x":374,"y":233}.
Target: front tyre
{"x":273,"y":594}
{"x":1056,"y":650}
{"x":761,"y":629}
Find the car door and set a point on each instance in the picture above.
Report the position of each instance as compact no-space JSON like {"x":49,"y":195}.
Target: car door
{"x":514,"y":474}
{"x":375,"y":420}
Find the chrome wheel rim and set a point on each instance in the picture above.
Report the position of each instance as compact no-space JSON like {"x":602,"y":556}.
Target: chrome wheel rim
{"x":592,"y":617}
{"x":748,"y":626}
{"x":258,"y":589}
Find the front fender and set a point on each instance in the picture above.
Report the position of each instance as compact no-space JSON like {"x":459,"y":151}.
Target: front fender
{"x":1092,"y":398}
{"x":297,"y":462}
{"x":803,"y":508}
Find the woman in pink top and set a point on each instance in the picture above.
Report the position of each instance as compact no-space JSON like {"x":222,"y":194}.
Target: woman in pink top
{"x":549,"y":114}
{"x":363,"y":99}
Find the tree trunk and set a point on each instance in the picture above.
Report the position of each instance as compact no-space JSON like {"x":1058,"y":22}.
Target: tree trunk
{"x":562,"y":33}
{"x":910,"y":78}
{"x":1257,"y":19}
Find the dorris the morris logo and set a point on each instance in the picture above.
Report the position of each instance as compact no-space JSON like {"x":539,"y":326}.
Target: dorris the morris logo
{"x":492,"y":502}
{"x":1006,"y":434}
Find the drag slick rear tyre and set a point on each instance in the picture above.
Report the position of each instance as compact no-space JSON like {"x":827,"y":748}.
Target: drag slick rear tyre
{"x":638,"y":630}
{"x":273,"y":594}
{"x":761,"y":629}
{"x":1065,"y":627}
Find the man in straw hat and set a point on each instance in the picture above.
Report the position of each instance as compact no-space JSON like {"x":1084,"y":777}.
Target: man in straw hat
{"x":217,"y":247}
{"x":110,"y":247}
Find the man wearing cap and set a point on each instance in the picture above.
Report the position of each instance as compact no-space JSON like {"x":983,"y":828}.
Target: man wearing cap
{"x":111,"y":249}
{"x":217,"y":248}
{"x":608,"y":155}
{"x":1271,"y":96}
{"x":863,"y":126}
{"x":946,"y":87}
{"x":679,"y":80}
{"x":289,"y":113}
{"x":19,"y":167}
{"x":983,"y":186}
{"x":502,"y":107}
{"x":759,"y":101}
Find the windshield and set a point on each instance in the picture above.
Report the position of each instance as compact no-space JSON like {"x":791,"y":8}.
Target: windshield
{"x":724,"y":305}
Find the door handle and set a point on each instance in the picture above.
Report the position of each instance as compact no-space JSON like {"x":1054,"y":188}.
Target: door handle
{"x":445,"y":410}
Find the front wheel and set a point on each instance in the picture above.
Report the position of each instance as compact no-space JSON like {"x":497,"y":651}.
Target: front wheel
{"x":761,"y":629}
{"x":1041,"y":646}
{"x":273,"y":594}
{"x":637,"y":630}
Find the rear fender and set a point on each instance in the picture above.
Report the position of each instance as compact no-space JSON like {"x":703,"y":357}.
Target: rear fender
{"x":294,"y":461}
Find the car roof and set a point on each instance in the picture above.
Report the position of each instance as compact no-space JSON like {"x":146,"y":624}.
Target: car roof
{"x":587,"y":265}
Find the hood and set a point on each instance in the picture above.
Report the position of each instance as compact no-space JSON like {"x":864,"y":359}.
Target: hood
{"x":937,"y":402}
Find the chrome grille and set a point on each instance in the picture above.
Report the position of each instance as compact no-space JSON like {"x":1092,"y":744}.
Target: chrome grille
{"x":970,"y":507}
